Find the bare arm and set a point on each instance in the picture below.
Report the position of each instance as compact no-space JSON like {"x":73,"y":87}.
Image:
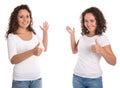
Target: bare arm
{"x":106,"y":52}
{"x":25,"y":55}
{"x":45,"y":34}
{"x":72,"y":38}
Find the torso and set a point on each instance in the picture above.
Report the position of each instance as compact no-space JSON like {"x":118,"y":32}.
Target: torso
{"x":88,"y":61}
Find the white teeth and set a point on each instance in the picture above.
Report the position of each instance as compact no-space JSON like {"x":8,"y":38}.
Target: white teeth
{"x":24,"y":23}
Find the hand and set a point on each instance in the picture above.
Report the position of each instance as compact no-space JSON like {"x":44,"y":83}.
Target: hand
{"x":45,"y":26}
{"x":96,"y":47}
{"x":37,"y":50}
{"x":70,"y":31}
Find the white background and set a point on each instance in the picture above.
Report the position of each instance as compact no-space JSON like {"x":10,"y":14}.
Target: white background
{"x":58,"y":62}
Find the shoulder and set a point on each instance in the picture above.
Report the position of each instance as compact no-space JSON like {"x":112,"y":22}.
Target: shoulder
{"x":82,"y":36}
{"x":103,"y":36}
{"x":103,"y":39}
{"x":37,"y":36}
{"x":11,"y":36}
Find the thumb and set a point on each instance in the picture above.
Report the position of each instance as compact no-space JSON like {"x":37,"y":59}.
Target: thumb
{"x":96,"y":42}
{"x":38,"y":44}
{"x":41,"y":27}
{"x":73,"y":29}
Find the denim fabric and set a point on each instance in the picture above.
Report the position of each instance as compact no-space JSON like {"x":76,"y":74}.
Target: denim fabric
{"x":81,"y":82}
{"x":27,"y":84}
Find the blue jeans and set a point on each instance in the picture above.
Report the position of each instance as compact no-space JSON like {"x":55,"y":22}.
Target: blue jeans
{"x":81,"y":82}
{"x":27,"y":84}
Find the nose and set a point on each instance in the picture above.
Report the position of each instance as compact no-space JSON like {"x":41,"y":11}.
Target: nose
{"x":88,"y":23}
{"x":24,"y":18}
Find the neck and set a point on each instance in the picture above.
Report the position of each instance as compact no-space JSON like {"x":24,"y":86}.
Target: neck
{"x":22,"y":31}
{"x":91,"y":34}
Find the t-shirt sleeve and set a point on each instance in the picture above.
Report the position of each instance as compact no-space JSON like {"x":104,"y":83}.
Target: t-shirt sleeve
{"x":11,"y":44}
{"x":104,"y":41}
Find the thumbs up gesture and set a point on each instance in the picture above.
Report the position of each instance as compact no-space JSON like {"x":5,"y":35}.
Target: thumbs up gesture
{"x":96,"y":48}
{"x":37,"y":50}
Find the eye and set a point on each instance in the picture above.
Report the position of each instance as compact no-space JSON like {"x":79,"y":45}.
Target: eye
{"x":20,"y":16}
{"x":27,"y":16}
{"x":91,"y":20}
{"x":86,"y":21}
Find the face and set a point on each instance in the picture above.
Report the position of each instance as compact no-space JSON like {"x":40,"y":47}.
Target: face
{"x":23,"y":19}
{"x":90,"y":22}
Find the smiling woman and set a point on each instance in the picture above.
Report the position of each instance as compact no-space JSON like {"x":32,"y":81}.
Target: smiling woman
{"x":24,"y":18}
{"x":91,"y":46}
{"x":24,"y":47}
{"x":57,"y":64}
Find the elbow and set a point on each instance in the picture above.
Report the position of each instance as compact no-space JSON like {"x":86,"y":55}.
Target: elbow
{"x":74,"y":51}
{"x":113,"y":63}
{"x":13,"y":61}
{"x":45,"y":50}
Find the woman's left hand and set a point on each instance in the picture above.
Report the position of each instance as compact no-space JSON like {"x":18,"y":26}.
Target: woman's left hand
{"x":45,"y":26}
{"x":96,"y":47}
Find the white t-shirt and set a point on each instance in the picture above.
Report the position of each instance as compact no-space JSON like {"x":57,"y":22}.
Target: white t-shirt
{"x":88,"y":62}
{"x":28,"y":69}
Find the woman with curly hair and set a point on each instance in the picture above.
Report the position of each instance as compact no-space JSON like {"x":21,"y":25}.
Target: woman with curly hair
{"x":24,"y":48}
{"x":91,"y":46}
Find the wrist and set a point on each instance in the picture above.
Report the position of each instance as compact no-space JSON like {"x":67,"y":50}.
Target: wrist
{"x":101,"y":50}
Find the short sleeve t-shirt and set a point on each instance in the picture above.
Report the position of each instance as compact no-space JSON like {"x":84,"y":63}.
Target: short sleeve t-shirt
{"x":28,"y":69}
{"x":88,"y":62}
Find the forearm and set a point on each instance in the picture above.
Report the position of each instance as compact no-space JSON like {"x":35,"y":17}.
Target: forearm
{"x":21,"y":57}
{"x":73,"y":43}
{"x":45,"y":40}
{"x":109,"y":57}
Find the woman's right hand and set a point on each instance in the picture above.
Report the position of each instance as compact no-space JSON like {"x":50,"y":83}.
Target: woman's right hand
{"x":70,"y":31}
{"x":37,"y":50}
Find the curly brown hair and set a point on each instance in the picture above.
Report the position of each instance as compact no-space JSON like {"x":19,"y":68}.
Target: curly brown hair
{"x":100,"y":21}
{"x":13,"y":22}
